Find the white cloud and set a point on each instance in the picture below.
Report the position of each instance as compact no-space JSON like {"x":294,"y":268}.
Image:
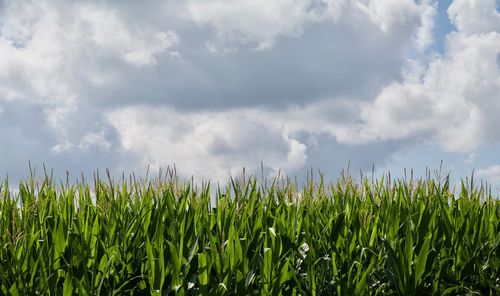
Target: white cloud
{"x":427,"y":12}
{"x":47,"y":48}
{"x":78,"y":65}
{"x":92,"y":139}
{"x":51,"y":51}
{"x":490,"y":173}
{"x":108,"y":32}
{"x":262,"y":21}
{"x":329,"y":78}
{"x":473,"y":17}
{"x":207,"y":144}
{"x":257,"y":21}
{"x":453,"y":101}
{"x":391,"y":14}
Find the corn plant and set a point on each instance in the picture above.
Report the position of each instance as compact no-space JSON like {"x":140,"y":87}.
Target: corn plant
{"x":168,"y":237}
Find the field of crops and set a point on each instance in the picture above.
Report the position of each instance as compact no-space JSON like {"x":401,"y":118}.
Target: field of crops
{"x":253,"y":237}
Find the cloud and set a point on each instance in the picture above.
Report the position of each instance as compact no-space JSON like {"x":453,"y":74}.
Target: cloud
{"x":52,"y":52}
{"x":256,"y":21}
{"x":324,"y":58}
{"x":27,"y":136}
{"x":427,"y":13}
{"x":98,"y":139}
{"x":208,"y":144}
{"x":452,"y":101}
{"x":475,"y":17}
{"x":69,"y":43}
{"x":262,"y":22}
{"x":108,"y":33}
{"x":490,"y":173}
{"x":216,"y":85}
{"x":392,"y":14}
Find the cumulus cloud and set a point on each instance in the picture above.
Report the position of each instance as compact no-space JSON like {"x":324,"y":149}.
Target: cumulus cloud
{"x":392,"y":14}
{"x":325,"y":57}
{"x":262,"y":22}
{"x":490,"y":173}
{"x":108,"y":33}
{"x":27,"y":136}
{"x":210,"y":144}
{"x":475,"y":17}
{"x":52,"y":51}
{"x":256,"y":21}
{"x":213,"y":86}
{"x":96,"y":139}
{"x":454,"y":99}
{"x":424,"y":35}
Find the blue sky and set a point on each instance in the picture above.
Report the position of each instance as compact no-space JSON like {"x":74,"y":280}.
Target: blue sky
{"x":443,"y":25}
{"x":215,"y":86}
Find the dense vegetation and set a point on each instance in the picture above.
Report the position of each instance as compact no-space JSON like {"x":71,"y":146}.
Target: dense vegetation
{"x":166,"y":237}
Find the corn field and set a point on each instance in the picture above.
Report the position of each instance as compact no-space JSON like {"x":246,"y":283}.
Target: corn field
{"x":166,"y":236}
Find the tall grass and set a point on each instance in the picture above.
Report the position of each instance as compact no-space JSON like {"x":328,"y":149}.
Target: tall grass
{"x":166,"y":237}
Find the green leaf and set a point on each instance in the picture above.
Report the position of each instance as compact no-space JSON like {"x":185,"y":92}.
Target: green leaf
{"x":68,"y":286}
{"x":202,"y":269}
{"x":422,"y":259}
{"x":396,"y":274}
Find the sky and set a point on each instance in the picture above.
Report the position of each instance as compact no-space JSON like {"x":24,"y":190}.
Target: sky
{"x":275,"y":86}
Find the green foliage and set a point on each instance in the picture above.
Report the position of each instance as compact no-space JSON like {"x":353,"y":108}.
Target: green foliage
{"x":164,"y":237}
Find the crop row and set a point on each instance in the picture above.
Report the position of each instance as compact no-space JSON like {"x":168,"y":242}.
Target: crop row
{"x":166,"y":237}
